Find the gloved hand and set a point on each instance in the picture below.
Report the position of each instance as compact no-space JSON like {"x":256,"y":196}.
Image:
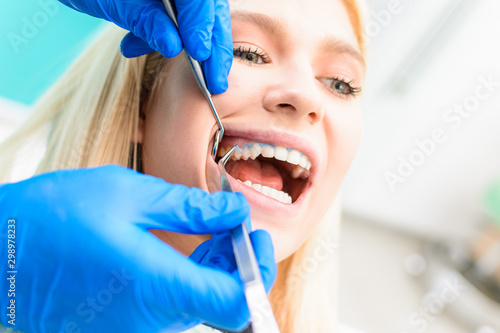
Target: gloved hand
{"x":85,"y":260}
{"x":204,"y":25}
{"x":217,"y":252}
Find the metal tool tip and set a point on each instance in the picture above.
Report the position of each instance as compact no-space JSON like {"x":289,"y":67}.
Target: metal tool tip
{"x":227,"y":156}
{"x":217,"y":140}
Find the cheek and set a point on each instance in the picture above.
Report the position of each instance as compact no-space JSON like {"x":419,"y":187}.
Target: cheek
{"x":245,"y":88}
{"x":177,"y":130}
{"x":342,"y":137}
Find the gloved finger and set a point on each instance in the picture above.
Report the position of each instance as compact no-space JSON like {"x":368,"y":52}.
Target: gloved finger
{"x":217,"y":67}
{"x":172,"y":286}
{"x":160,"y":205}
{"x":221,"y":253}
{"x":196,"y":20}
{"x":218,"y":253}
{"x":201,"y":251}
{"x":191,"y":289}
{"x":264,"y":252}
{"x":155,"y":27}
{"x":217,"y":298}
{"x":133,"y":46}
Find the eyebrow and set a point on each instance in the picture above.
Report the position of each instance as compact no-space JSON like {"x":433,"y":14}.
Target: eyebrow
{"x":339,"y":46}
{"x":272,"y":26}
{"x":276,"y":28}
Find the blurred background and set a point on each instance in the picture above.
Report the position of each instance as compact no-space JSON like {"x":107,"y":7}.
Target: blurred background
{"x":420,"y":247}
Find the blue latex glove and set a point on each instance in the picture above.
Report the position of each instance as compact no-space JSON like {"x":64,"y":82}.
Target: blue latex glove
{"x":204,"y":25}
{"x":85,"y":261}
{"x":218,"y":253}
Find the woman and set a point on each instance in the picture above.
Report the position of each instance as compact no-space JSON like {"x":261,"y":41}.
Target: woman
{"x":292,"y":102}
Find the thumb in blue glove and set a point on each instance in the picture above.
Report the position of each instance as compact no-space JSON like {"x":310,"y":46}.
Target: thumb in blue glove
{"x":204,"y":26}
{"x":217,"y":253}
{"x":85,"y":261}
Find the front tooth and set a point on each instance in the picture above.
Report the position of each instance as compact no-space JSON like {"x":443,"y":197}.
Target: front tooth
{"x":280,"y":153}
{"x":268,"y":151}
{"x":279,"y":197}
{"x":257,"y":187}
{"x":293,"y":157}
{"x":247,"y":183}
{"x":265,"y":190}
{"x":308,"y":166}
{"x":255,"y":151}
{"x":246,"y":153}
{"x":273,"y":193}
{"x":303,"y":161}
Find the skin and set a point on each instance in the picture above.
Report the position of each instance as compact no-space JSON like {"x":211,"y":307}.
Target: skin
{"x":290,"y":94}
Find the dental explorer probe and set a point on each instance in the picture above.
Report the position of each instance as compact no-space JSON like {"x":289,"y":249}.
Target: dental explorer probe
{"x":261,"y":313}
{"x":200,"y":78}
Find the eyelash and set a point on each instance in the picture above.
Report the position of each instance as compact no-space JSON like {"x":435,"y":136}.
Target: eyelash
{"x":240,"y":51}
{"x":352,"y":91}
{"x":243,"y":53}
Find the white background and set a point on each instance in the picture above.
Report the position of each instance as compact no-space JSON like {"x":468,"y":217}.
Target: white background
{"x":430,"y":56}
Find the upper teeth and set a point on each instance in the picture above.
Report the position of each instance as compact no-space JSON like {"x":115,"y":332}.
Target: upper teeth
{"x":292,"y":156}
{"x":301,"y":163}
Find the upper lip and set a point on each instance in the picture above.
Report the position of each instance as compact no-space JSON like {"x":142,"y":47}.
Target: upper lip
{"x":278,"y":138}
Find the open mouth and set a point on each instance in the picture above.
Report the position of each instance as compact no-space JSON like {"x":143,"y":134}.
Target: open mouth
{"x":277,"y":172}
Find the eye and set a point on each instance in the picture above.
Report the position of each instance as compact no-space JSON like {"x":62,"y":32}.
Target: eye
{"x":341,"y":87}
{"x":252,"y":56}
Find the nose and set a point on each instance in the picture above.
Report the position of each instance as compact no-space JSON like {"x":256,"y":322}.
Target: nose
{"x":295,"y":94}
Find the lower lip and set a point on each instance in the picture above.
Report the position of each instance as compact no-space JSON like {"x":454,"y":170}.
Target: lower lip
{"x":267,"y":204}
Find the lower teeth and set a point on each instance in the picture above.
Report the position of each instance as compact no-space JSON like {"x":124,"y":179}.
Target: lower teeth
{"x":270,"y":192}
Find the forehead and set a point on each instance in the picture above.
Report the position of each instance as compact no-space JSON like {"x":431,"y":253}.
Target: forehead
{"x":311,"y":19}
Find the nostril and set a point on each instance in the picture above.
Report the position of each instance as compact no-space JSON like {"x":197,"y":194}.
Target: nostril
{"x":284,"y":105}
{"x":315,"y":117}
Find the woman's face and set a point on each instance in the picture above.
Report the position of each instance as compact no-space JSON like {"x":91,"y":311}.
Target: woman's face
{"x":291,"y":102}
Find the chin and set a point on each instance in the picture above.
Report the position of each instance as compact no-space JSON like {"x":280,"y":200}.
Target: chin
{"x":284,"y":240}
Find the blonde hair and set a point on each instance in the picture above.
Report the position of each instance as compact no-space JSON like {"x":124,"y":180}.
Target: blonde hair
{"x":93,"y":113}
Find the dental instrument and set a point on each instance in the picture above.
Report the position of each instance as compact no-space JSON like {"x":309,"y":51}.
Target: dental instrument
{"x":261,"y":313}
{"x":200,"y":79}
